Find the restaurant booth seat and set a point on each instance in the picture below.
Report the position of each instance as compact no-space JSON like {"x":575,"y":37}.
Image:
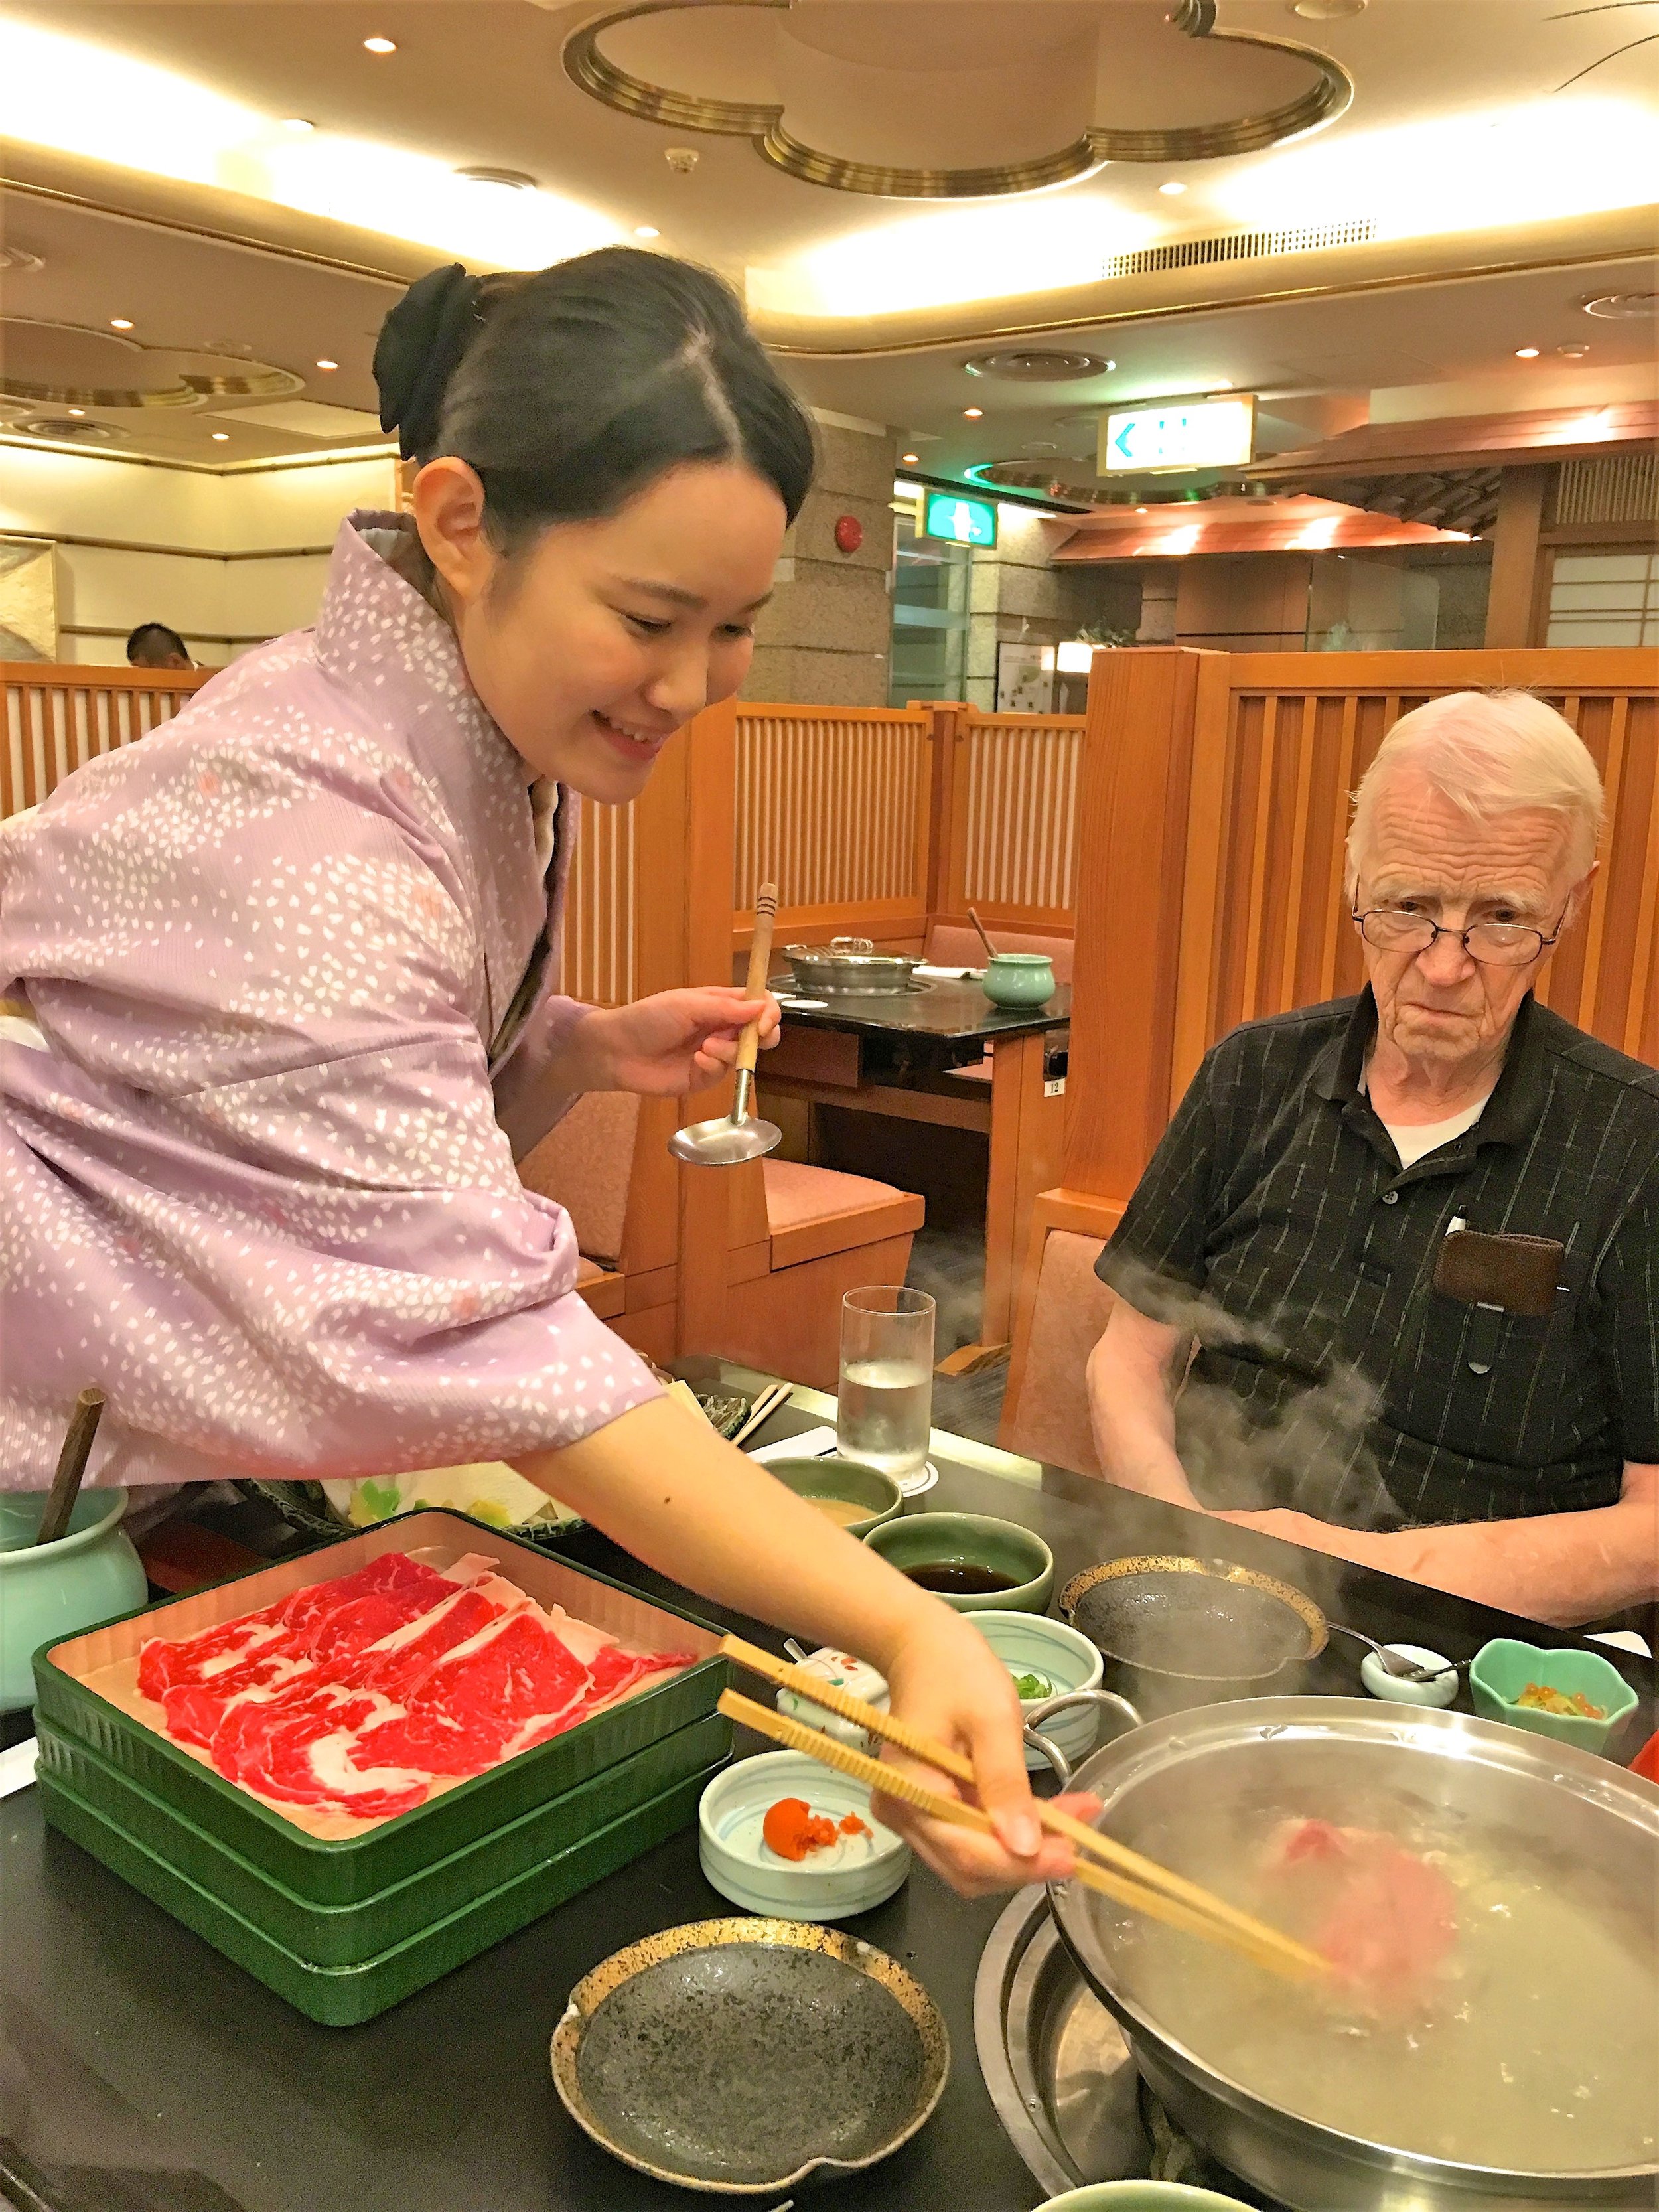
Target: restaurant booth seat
{"x":1045,"y":1412}
{"x":800,"y":1238}
{"x":951,"y":945}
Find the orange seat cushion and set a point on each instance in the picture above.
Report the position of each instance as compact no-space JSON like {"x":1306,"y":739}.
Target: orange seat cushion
{"x":812,"y":1210}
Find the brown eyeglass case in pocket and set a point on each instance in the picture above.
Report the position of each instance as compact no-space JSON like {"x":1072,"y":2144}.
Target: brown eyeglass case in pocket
{"x":1519,"y":1273}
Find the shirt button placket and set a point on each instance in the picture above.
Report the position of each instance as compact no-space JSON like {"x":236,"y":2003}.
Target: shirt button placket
{"x":1391,"y":1198}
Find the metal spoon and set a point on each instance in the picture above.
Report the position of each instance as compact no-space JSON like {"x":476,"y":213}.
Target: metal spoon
{"x":1403,"y":1670}
{"x":71,"y":1466}
{"x":731,"y":1139}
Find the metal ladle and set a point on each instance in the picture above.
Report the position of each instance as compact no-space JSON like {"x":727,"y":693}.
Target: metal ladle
{"x":731,"y":1139}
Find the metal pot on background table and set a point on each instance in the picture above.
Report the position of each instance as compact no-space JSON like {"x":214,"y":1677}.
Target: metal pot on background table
{"x":850,"y":968}
{"x":1585,"y":1812}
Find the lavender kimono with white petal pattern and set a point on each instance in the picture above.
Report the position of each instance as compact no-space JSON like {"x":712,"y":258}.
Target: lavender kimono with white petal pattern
{"x":256,"y":1168}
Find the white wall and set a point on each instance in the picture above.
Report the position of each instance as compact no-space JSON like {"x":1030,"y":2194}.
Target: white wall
{"x":166,"y":534}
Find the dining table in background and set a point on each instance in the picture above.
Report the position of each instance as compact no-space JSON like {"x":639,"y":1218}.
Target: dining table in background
{"x":904,"y":1053}
{"x":140,"y":2071}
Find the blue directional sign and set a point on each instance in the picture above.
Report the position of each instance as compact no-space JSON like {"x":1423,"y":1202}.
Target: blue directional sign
{"x":1183,"y":433}
{"x":957,"y":519}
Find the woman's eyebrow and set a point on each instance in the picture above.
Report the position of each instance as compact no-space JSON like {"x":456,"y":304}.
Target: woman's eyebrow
{"x":676,"y":595}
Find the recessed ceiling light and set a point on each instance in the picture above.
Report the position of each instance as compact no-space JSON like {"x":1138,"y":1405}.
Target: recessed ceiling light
{"x":646,"y":230}
{"x":1574,"y":352}
{"x":1526,"y":353}
{"x":328,"y":364}
{"x":222,"y":437}
{"x":972,"y":414}
{"x":77,"y":412}
{"x":120,"y":323}
{"x":380,"y":46}
{"x":1173,"y":190}
{"x":911,"y":459}
{"x":298,"y":124}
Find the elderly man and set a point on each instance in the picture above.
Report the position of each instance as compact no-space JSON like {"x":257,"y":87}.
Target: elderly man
{"x":1390,"y":1284}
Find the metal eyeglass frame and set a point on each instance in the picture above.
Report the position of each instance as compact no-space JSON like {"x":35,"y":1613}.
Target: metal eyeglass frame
{"x":1437,"y":931}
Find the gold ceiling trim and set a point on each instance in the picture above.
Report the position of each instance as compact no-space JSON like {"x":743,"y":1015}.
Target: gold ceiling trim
{"x":762,"y":123}
{"x":190,"y":387}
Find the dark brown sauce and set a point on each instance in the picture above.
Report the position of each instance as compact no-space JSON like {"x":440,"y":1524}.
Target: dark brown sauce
{"x":959,"y":1578}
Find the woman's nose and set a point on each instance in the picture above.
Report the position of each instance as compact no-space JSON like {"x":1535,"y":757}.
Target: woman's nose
{"x":679,"y":686}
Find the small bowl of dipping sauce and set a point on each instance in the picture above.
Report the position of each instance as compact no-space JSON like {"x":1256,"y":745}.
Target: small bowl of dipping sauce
{"x":976,"y":1564}
{"x":856,"y":1498}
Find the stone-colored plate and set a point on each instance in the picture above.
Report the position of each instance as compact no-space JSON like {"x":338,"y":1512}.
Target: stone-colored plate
{"x":741,"y":2056}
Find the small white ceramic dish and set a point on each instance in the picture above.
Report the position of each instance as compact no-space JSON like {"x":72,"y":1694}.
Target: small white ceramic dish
{"x":850,"y":1876}
{"x":1442,"y":1691}
{"x":843,"y":1672}
{"x":1031,"y":1644}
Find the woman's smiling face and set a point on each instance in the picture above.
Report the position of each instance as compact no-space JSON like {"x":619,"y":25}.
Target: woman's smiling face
{"x":596,"y":641}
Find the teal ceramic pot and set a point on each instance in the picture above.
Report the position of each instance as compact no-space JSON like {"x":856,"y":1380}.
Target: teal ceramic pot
{"x":49,"y":1591}
{"x":958,"y":1545}
{"x":1500,"y":1671}
{"x":1019,"y":979}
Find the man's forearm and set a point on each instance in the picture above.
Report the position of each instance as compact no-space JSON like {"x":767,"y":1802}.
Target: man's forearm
{"x":1563,"y":1568}
{"x":1129,"y":1407}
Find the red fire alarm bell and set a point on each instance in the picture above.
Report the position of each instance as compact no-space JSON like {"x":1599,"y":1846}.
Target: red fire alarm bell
{"x":849,"y":533}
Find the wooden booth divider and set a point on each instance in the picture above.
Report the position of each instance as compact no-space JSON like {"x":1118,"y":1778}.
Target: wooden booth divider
{"x":1213,"y":811}
{"x":59,"y":717}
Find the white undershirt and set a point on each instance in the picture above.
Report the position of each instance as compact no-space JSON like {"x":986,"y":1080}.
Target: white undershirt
{"x":1415,"y":1140}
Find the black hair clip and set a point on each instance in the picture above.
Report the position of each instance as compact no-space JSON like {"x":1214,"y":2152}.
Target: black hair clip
{"x":420,"y":345}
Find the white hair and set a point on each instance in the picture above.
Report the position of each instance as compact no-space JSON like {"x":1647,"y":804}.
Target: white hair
{"x":1490,"y":753}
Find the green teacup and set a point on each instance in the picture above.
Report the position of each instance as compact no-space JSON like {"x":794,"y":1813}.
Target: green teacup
{"x":976,"y":1564}
{"x":1019,"y":979}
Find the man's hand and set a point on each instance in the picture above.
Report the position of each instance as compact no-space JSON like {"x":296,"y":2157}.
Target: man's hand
{"x":664,"y":1046}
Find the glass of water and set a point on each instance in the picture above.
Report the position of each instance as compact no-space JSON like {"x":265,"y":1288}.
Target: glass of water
{"x":884,"y":1409}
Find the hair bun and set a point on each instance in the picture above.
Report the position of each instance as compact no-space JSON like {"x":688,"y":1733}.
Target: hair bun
{"x":421,"y":342}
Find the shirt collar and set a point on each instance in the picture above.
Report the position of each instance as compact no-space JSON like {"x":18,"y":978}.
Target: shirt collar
{"x":1517,"y":1098}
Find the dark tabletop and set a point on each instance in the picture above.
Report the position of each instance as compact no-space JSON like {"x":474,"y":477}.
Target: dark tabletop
{"x":956,"y":1013}
{"x":142,"y":2072}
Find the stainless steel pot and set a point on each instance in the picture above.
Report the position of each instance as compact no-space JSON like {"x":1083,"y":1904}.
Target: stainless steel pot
{"x":849,"y":968}
{"x":1331,"y":1754}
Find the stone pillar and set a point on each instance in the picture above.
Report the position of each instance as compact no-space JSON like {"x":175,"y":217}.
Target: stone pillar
{"x":825,"y":635}
{"x":1016,"y":594}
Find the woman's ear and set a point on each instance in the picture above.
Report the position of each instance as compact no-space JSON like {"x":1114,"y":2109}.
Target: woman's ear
{"x":449,"y":505}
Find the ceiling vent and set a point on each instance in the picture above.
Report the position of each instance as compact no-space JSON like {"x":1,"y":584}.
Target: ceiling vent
{"x":1024,"y":365}
{"x":1242,"y":246}
{"x":16,"y":263}
{"x":67,"y":428}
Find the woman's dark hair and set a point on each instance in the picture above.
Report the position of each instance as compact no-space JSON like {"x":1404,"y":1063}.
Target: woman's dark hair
{"x":570,"y":390}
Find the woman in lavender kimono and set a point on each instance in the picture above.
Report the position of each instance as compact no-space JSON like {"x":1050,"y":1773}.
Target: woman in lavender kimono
{"x":279,"y":1016}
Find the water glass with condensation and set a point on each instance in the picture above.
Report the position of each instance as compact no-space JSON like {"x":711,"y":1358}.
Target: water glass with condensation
{"x":884,"y":1409}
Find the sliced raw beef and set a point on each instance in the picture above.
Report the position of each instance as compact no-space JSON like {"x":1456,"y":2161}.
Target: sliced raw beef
{"x":478,"y":1697}
{"x":164,"y":1663}
{"x":397,"y":1664}
{"x":1385,"y":1918}
{"x":615,"y":1670}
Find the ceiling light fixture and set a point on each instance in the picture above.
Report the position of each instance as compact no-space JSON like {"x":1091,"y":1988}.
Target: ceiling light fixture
{"x":222,"y":437}
{"x":646,"y":230}
{"x":77,"y":412}
{"x":1526,"y":353}
{"x":972,"y":414}
{"x":328,"y":364}
{"x":1173,"y":190}
{"x":1574,"y":352}
{"x":377,"y":47}
{"x":120,"y":323}
{"x":911,"y":460}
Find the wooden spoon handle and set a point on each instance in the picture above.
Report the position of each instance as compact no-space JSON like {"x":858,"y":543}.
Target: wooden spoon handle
{"x":71,"y":1466}
{"x":760,"y":963}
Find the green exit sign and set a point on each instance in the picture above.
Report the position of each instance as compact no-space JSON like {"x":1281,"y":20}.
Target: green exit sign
{"x":961,"y":521}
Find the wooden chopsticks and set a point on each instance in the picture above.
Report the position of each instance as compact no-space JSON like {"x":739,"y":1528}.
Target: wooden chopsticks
{"x":1126,"y":1876}
{"x":762,"y":1411}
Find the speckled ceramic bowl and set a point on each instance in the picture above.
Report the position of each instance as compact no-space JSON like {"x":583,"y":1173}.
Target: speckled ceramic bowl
{"x":853,"y":1874}
{"x":742,"y":2055}
{"x":1030,"y":1643}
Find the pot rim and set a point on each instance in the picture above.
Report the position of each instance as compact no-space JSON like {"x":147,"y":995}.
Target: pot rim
{"x":77,"y":1539}
{"x":1512,"y":1749}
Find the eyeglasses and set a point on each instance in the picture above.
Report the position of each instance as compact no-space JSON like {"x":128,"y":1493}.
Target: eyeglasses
{"x":1493,"y":944}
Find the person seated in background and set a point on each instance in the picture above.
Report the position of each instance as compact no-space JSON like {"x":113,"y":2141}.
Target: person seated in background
{"x":153,"y":645}
{"x":1389,"y":1286}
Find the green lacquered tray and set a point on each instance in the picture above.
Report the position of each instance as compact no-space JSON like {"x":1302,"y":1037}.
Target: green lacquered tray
{"x":341,"y":1997}
{"x":348,"y":1871}
{"x":349,"y":1935}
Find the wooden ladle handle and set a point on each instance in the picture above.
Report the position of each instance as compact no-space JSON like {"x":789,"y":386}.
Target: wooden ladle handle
{"x":760,"y":963}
